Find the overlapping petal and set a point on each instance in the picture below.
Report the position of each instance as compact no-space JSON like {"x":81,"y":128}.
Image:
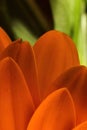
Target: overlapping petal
{"x":56,"y":112}
{"x":75,"y":79}
{"x":4,"y":40}
{"x":28,"y":75}
{"x":16,"y":105}
{"x":23,"y":54}
{"x":55,"y":53}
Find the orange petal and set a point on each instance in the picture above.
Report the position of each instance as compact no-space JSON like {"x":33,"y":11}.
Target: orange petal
{"x":4,"y":39}
{"x":55,"y":53}
{"x":24,"y":56}
{"x":56,"y":112}
{"x":82,"y":126}
{"x":75,"y":80}
{"x":16,"y":106}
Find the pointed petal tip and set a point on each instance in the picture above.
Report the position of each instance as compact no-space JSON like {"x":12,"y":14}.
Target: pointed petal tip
{"x":54,"y":54}
{"x":53,"y":33}
{"x":1,"y":29}
{"x":14,"y":95}
{"x":23,"y":55}
{"x":50,"y":111}
{"x":17,"y":41}
{"x":3,"y":33}
{"x":63,"y":91}
{"x":75,"y":79}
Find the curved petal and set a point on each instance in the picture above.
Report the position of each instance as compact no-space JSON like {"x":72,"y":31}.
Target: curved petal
{"x":55,"y":53}
{"x":4,"y":39}
{"x":56,"y":112}
{"x":75,"y":60}
{"x":82,"y":126}
{"x":16,"y":105}
{"x":23,"y":54}
{"x":75,"y":79}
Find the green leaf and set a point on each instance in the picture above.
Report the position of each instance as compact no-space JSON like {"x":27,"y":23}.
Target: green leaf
{"x":82,"y":40}
{"x":62,"y":13}
{"x":66,"y":15}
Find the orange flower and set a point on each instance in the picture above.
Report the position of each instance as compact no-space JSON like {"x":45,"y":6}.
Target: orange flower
{"x":41,"y":87}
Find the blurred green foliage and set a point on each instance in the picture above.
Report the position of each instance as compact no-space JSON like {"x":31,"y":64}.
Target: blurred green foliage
{"x":70,"y":16}
{"x":29,"y":19}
